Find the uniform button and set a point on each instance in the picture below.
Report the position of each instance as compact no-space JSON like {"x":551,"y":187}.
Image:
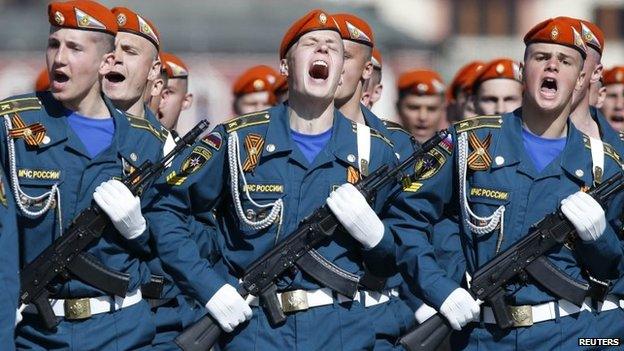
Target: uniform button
{"x":499,"y":160}
{"x":133,"y":156}
{"x":351,"y":158}
{"x":46,"y":140}
{"x":270,"y":148}
{"x":579,"y":173}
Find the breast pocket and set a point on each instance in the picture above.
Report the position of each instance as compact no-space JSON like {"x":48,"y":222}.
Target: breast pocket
{"x":486,"y":214}
{"x":258,"y":214}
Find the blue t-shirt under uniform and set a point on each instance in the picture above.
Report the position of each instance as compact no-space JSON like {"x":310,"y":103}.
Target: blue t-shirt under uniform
{"x":542,"y":150}
{"x":96,"y":134}
{"x":311,"y":144}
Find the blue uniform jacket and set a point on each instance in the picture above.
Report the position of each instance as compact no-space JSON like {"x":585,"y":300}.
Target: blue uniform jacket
{"x":62,"y":159}
{"x":200,"y":181}
{"x":510,"y":180}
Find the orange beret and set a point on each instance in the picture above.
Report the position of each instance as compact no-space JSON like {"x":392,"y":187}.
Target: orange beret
{"x":560,"y":31}
{"x":463,"y":79}
{"x":421,"y":82}
{"x":82,"y":14}
{"x":255,"y":79}
{"x":130,"y":22}
{"x":376,"y":59}
{"x":354,"y":28}
{"x":43,"y":81}
{"x":174,"y":67}
{"x":615,"y":75}
{"x":281,"y":85}
{"x":500,"y":68}
{"x":313,"y":20}
{"x":591,"y":33}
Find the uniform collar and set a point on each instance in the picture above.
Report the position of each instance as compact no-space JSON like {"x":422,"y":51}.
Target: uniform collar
{"x":510,"y":146}
{"x":278,"y":137}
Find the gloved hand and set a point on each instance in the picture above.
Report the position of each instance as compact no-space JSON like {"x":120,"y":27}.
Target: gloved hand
{"x":460,"y":308}
{"x":586,"y":215}
{"x":228,"y":308}
{"x":123,"y":208}
{"x":18,"y":316}
{"x":424,"y":312}
{"x":356,"y":215}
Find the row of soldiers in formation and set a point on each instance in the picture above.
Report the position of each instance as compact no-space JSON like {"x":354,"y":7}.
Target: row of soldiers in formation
{"x":219,"y":206}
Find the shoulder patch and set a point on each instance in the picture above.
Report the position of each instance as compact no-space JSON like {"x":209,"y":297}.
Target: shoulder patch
{"x":141,"y":123}
{"x":428,"y":165}
{"x":608,"y":150}
{"x":213,"y":140}
{"x":17,"y":105}
{"x":478,"y":122}
{"x":390,"y":125}
{"x":373,"y":132}
{"x":247,"y":120}
{"x":191,"y":164}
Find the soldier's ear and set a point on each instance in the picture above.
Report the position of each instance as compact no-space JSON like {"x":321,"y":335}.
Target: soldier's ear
{"x":596,"y":74}
{"x":283,"y":67}
{"x":108,"y":61}
{"x":154,"y":71}
{"x":368,"y":70}
{"x":521,"y":71}
{"x":579,"y":81}
{"x":187,"y":102}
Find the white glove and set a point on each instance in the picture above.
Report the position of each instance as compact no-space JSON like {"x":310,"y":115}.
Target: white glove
{"x":424,"y":312}
{"x":586,"y":215}
{"x":356,"y":215}
{"x":18,"y":316}
{"x":460,"y":308}
{"x":123,"y":208}
{"x":228,"y":308}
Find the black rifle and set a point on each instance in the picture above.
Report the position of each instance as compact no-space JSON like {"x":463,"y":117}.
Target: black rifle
{"x":259,"y":278}
{"x":525,"y":258}
{"x":67,"y":257}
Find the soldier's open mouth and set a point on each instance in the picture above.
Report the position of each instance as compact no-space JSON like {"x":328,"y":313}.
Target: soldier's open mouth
{"x":115,"y":77}
{"x":319,"y":70}
{"x":60,"y":77}
{"x":617,"y":118}
{"x":549,"y":86}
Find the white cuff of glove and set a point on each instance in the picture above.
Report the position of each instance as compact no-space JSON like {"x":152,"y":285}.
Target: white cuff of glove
{"x":18,"y":316}
{"x":424,"y":312}
{"x":122,"y":207}
{"x":460,"y":308}
{"x":228,"y":308}
{"x":586,"y":214}
{"x":356,"y":216}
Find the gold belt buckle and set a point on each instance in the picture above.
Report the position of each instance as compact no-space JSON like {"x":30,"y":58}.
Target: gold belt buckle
{"x":295,"y":300}
{"x":77,"y":308}
{"x":522,"y":315}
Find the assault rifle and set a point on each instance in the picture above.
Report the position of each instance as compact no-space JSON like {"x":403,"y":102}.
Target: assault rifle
{"x":523,"y":259}
{"x":298,"y":250}
{"x":67,"y":255}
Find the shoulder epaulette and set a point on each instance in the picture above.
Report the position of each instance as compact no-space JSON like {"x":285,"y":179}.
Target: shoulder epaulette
{"x":608,"y":150}
{"x":374,"y":133}
{"x":247,"y":120}
{"x":390,"y":125}
{"x":142,"y":123}
{"x":17,"y":105}
{"x":478,"y":122}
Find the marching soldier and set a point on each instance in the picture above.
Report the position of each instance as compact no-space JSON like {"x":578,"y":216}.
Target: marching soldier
{"x":613,"y":106}
{"x":265,"y":172}
{"x":254,"y":90}
{"x":373,"y":86}
{"x":62,"y":149}
{"x":511,"y":171}
{"x":459,"y":104}
{"x":497,"y":88}
{"x":421,"y":105}
{"x":392,"y":317}
{"x":175,"y":96}
{"x":610,"y":301}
